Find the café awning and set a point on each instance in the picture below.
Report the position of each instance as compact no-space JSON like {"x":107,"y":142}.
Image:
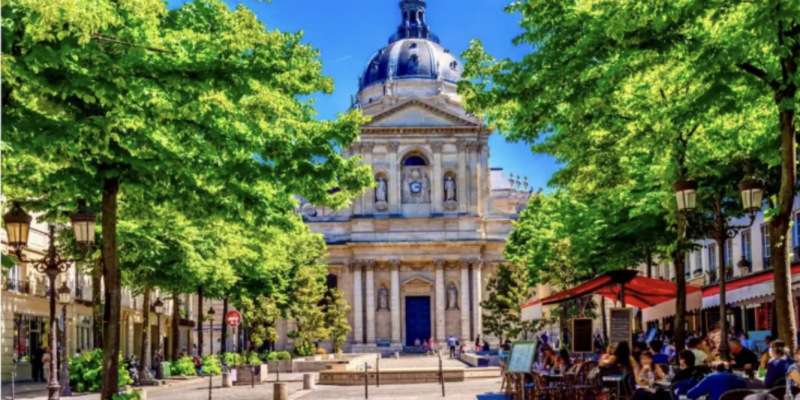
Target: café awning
{"x":624,"y":286}
{"x":758,"y":287}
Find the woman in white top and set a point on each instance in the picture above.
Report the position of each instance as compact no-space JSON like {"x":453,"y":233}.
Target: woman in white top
{"x":46,"y":363}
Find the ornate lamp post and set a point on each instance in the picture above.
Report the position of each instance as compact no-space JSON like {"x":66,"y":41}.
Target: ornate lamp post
{"x":158,"y":307}
{"x":211,"y":327}
{"x":686,"y":194}
{"x":744,"y":266}
{"x":64,"y":298}
{"x":18,"y":224}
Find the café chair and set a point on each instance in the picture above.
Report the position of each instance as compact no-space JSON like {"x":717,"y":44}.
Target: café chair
{"x":779,"y":391}
{"x":738,"y":394}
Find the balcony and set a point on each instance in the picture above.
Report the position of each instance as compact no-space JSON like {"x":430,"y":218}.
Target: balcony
{"x":17,"y":286}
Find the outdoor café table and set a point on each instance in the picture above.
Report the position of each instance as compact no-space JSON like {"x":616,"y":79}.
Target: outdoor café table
{"x":615,"y":378}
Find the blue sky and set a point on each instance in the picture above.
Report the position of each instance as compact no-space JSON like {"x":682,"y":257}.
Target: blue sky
{"x":348,"y":33}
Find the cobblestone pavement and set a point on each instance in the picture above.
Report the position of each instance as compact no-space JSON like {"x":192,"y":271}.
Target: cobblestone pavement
{"x":428,"y":391}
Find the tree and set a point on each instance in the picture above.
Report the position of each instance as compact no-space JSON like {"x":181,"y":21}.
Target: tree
{"x":309,"y":317}
{"x":336,"y":318}
{"x":507,"y":290}
{"x":165,"y":107}
{"x":259,"y":316}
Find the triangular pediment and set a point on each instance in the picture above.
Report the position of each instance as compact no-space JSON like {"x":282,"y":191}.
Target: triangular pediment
{"x":417,"y":281}
{"x":416,"y":112}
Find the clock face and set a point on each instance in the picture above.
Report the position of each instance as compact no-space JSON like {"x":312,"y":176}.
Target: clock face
{"x":415,"y":187}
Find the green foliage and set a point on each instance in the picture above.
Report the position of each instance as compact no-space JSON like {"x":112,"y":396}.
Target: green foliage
{"x":127,"y":396}
{"x":86,"y":370}
{"x":260,"y":315}
{"x":253,"y":359}
{"x":508,"y":290}
{"x":282,"y":355}
{"x":183,"y":367}
{"x":310,"y":326}
{"x":336,"y":311}
{"x":211,"y":365}
{"x":233,"y":359}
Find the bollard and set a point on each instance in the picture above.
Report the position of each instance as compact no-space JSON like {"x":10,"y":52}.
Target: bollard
{"x":209,"y":386}
{"x":13,"y":378}
{"x":280,"y":391}
{"x":253,"y":378}
{"x":308,"y":382}
{"x":441,"y":374}
{"x":279,"y":372}
{"x":378,"y":371}
{"x":366,"y":381}
{"x":226,"y":380}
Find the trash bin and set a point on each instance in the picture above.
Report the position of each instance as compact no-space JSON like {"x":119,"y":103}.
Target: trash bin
{"x":165,"y":373}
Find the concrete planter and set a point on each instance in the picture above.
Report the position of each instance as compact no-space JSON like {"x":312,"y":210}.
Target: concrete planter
{"x":280,"y":365}
{"x":245,"y":376}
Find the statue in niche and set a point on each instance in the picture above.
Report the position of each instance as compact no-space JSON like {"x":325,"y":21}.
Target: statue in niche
{"x":416,"y":187}
{"x":449,"y":189}
{"x":452,"y":297}
{"x":380,"y":191}
{"x":383,"y":300}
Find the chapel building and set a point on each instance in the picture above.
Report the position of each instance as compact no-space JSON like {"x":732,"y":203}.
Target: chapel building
{"x":412,"y":255}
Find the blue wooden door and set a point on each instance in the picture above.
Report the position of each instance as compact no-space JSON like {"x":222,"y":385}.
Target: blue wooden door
{"x":418,"y":319}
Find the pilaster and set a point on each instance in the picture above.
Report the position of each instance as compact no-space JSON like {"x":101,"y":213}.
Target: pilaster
{"x":369,"y":266}
{"x":358,"y":206}
{"x":438,"y":189}
{"x":465,"y":305}
{"x":477,"y":315}
{"x":472,"y":184}
{"x":394,"y":178}
{"x":369,"y":195}
{"x":483,"y":179}
{"x":462,"y":190}
{"x":358,"y":314}
{"x":440,"y":306}
{"x":394,"y":266}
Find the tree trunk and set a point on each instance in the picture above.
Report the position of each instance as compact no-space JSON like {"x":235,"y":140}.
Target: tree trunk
{"x":176,"y":332}
{"x":145,"y":333}
{"x":779,"y":259}
{"x":113,"y":287}
{"x":97,"y":301}
{"x":200,"y":321}
{"x":722,"y":235}
{"x":649,"y":259}
{"x":680,"y":300}
{"x":603,"y":317}
{"x":223,"y":342}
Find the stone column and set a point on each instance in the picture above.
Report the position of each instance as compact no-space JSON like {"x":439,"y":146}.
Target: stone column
{"x":355,"y":150}
{"x":369,"y":265}
{"x":473,"y":183}
{"x":358,"y":330}
{"x":369,"y":195}
{"x":395,"y":301}
{"x":465,"y":328}
{"x":462,"y":192}
{"x":436,"y":196}
{"x":483,"y":179}
{"x":394,"y":179}
{"x":440,"y":306}
{"x":477,"y":283}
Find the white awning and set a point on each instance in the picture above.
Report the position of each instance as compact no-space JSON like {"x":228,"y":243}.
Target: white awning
{"x":760,"y":292}
{"x":668,"y":308}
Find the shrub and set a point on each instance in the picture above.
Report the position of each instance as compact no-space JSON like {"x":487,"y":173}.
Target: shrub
{"x":321,"y":351}
{"x":183,"y":367}
{"x":211,"y":365}
{"x":272,"y":356}
{"x":282,"y":355}
{"x":86,"y":372}
{"x":253,"y":359}
{"x":303,"y":348}
{"x":233,"y":359}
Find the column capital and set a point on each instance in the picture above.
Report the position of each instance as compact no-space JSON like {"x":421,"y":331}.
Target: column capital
{"x":439,"y":263}
{"x":353,"y":265}
{"x":355,"y":148}
{"x":473,"y":146}
{"x":477,"y":263}
{"x":461,"y":145}
{"x":394,"y":264}
{"x":393,"y":146}
{"x":436,"y":146}
{"x":367,"y":147}
{"x":464,"y":262}
{"x":369,"y":265}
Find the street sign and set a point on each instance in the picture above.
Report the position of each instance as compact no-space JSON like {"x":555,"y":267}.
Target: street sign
{"x":233,"y":319}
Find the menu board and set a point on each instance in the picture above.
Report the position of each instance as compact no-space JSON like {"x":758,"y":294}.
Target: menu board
{"x":621,"y":325}
{"x":582,"y":335}
{"x":521,"y":357}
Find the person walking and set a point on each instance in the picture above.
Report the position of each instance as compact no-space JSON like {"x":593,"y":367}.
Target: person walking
{"x":451,"y":342}
{"x":430,"y":345}
{"x":46,"y":358}
{"x":36,"y":363}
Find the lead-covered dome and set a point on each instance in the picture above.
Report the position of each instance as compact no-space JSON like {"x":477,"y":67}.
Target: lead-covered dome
{"x":411,"y":59}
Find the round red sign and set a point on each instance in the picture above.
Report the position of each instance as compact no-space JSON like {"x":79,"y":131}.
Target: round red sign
{"x":233,"y":318}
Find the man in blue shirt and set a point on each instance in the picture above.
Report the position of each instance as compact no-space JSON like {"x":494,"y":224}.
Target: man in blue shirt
{"x":778,"y":365}
{"x":658,"y":357}
{"x":717,"y":383}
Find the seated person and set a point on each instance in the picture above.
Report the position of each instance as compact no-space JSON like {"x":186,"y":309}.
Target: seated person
{"x":765,"y":356}
{"x":605,"y":357}
{"x":751,"y":381}
{"x":621,"y":358}
{"x":778,"y":365}
{"x":548,"y":358}
{"x":686,"y":378}
{"x":647,"y":372}
{"x":717,"y":383}
{"x":741,"y":355}
{"x":794,"y":369}
{"x":702,"y":355}
{"x":658,"y":357}
{"x":563,"y":360}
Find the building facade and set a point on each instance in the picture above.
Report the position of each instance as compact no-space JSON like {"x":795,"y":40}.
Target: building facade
{"x":412,"y":256}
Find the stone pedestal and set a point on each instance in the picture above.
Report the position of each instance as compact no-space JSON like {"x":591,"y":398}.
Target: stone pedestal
{"x":227,"y":380}
{"x":280,"y":391}
{"x":308,"y":382}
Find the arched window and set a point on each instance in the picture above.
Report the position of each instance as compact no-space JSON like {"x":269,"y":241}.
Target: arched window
{"x":413,"y":65}
{"x":412,"y":46}
{"x":414,"y":161}
{"x":454,"y":65}
{"x":332,"y":281}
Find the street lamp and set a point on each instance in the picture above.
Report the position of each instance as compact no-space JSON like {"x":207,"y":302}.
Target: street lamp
{"x":211,"y":327}
{"x":64,"y":298}
{"x":752,"y":190}
{"x":18,"y":224}
{"x":158,"y":307}
{"x":686,"y":194}
{"x":744,"y":266}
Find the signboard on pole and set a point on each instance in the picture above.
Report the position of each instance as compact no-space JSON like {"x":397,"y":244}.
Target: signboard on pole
{"x":621,"y":325}
{"x":521,"y":357}
{"x":233,"y":319}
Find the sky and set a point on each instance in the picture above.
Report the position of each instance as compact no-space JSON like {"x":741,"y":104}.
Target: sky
{"x":348,"y":33}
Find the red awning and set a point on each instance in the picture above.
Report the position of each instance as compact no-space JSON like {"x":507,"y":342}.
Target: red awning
{"x":758,"y":277}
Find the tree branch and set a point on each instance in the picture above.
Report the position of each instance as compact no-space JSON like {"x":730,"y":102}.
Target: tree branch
{"x":100,"y":38}
{"x":758,"y":73}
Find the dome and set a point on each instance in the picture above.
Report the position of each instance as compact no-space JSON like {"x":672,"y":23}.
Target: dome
{"x":411,"y":59}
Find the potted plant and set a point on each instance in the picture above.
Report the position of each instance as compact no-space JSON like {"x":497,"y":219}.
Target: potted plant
{"x":251,"y":369}
{"x":280,"y":360}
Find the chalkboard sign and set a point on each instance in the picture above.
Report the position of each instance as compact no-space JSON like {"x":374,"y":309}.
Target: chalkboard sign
{"x":621,"y":325}
{"x":582,"y":335}
{"x":521,"y":357}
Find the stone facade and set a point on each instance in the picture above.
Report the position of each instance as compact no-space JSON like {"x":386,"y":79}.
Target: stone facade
{"x":435,"y":226}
